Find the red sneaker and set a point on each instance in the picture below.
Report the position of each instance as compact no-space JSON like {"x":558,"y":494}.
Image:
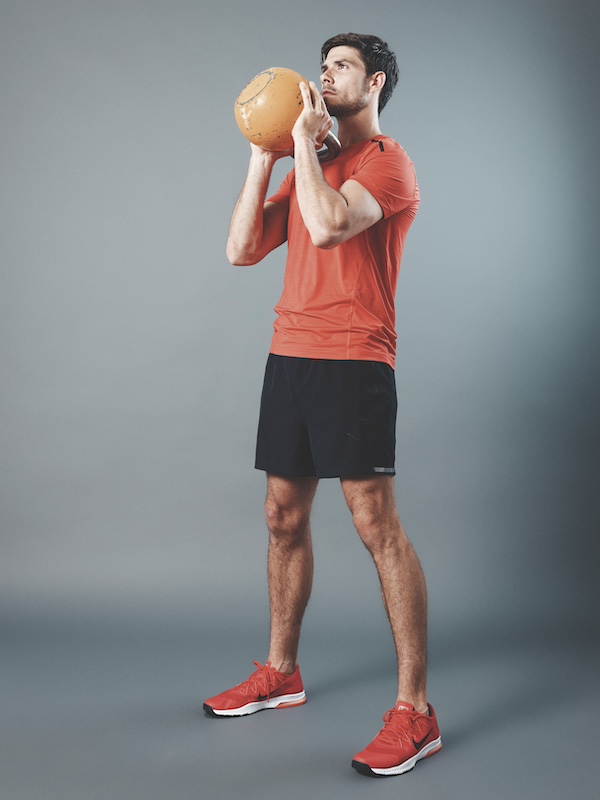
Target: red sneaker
{"x":265,"y":688}
{"x":406,"y":737}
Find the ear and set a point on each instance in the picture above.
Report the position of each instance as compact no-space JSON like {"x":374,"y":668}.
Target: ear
{"x":377,"y":81}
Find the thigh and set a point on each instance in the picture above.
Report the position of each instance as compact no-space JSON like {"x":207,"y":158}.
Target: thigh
{"x":282,"y":443}
{"x":350,"y":408}
{"x":374,"y":514}
{"x":373,"y":497}
{"x":289,"y":499}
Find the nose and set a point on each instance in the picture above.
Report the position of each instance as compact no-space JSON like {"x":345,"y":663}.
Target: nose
{"x":325,"y":76}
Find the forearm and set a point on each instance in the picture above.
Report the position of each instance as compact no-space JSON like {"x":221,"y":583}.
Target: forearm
{"x":324,"y":210}
{"x":246,"y":229}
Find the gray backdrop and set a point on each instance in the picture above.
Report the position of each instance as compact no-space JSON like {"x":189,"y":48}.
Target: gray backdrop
{"x":132,"y":353}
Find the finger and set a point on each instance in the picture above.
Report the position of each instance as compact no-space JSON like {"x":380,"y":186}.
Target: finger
{"x":306,"y":94}
{"x":316,"y":95}
{"x":319,"y":101}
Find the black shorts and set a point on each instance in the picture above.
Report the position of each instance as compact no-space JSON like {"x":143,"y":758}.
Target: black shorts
{"x":327,"y":419}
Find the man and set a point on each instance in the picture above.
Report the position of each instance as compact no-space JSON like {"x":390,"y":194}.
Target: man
{"x":328,"y":405}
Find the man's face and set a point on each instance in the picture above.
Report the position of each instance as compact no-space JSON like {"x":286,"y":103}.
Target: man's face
{"x":344,"y":83}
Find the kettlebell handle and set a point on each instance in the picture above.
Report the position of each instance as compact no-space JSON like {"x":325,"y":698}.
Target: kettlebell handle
{"x":331,"y":148}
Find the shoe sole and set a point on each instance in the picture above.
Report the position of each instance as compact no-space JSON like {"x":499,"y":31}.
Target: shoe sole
{"x":282,"y":701}
{"x":399,"y":769}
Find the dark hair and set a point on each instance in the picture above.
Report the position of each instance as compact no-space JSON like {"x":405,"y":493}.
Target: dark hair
{"x":375,"y":54}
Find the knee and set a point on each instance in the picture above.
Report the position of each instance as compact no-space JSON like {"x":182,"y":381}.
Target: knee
{"x":377,"y":534}
{"x":286,"y":524}
{"x":369,"y":530}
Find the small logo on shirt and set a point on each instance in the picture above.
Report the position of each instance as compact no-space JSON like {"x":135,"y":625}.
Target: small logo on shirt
{"x":385,"y":470}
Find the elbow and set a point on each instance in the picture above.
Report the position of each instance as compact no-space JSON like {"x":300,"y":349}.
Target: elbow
{"x":327,"y":238}
{"x":329,"y":230}
{"x":240,"y":262}
{"x":330,"y":227}
{"x":239,"y":258}
{"x":325,"y":244}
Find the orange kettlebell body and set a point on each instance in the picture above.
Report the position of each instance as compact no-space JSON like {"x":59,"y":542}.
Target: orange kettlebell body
{"x":268,"y":107}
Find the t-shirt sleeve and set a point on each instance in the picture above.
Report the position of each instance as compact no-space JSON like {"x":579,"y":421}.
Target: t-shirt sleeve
{"x":389,"y":175}
{"x":282,"y":195}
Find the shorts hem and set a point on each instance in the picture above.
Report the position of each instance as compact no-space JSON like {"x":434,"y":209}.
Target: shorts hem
{"x":388,"y":473}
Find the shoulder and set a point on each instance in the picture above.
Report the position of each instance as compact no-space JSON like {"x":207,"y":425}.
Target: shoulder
{"x":384,"y":158}
{"x":385,"y":152}
{"x":384,"y":168}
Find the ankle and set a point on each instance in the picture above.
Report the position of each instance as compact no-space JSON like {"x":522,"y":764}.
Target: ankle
{"x":285,"y":666}
{"x":420,"y":706}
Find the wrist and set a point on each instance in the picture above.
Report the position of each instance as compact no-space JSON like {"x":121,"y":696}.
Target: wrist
{"x":304,"y":142}
{"x":264,"y":157}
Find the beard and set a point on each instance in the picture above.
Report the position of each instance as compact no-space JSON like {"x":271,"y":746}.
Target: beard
{"x":340,"y":108}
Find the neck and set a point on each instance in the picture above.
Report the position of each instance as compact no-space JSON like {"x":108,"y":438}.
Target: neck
{"x":359,"y":127}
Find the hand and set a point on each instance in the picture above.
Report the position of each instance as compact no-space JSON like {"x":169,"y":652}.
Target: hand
{"x":270,"y":155}
{"x":314,"y":121}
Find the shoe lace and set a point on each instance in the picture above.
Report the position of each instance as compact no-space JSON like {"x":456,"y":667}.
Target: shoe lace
{"x":399,"y":727}
{"x":263,"y":681}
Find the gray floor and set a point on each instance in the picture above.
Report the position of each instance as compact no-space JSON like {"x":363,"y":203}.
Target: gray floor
{"x":107,"y":709}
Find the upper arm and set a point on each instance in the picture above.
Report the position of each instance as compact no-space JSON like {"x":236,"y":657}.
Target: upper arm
{"x":262,"y":241}
{"x":362,"y":211}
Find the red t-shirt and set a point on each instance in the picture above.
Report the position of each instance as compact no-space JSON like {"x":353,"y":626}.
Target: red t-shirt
{"x":339,"y":303}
